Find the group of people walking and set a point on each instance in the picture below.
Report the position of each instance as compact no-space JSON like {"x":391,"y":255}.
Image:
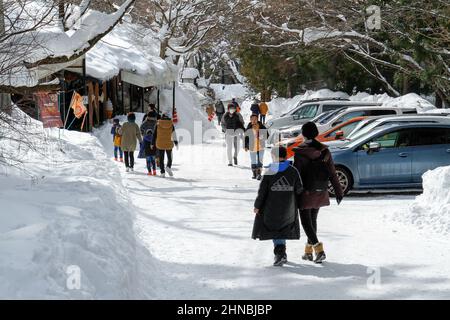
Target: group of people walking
{"x":293,"y":193}
{"x":156,"y":136}
{"x":254,"y":136}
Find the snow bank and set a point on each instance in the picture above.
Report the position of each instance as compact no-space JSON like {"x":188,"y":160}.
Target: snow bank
{"x":226,"y":92}
{"x":407,"y":101}
{"x":189,"y":102}
{"x":431,"y":210}
{"x":66,"y":207}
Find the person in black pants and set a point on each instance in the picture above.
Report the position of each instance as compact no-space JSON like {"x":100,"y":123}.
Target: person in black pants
{"x":315,"y":163}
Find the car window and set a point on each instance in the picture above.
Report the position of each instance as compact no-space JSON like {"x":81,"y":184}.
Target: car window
{"x":349,"y":116}
{"x":395,"y":139}
{"x":409,"y":112}
{"x":381,"y":112}
{"x":345,"y":129}
{"x":430,"y":136}
{"x":308,"y":111}
{"x":327,"y":107}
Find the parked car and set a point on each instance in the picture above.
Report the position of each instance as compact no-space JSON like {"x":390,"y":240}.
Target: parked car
{"x":306,"y":111}
{"x":370,"y":123}
{"x":337,"y":133}
{"x":395,"y":155}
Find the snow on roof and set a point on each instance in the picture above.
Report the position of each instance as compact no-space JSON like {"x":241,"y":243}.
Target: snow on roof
{"x":124,"y":49}
{"x":50,"y":40}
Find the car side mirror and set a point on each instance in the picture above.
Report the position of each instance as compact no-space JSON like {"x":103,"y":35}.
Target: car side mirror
{"x":296,"y":117}
{"x":374,"y":147}
{"x":339,"y":135}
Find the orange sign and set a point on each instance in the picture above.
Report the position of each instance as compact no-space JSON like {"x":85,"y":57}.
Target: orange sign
{"x":77,"y":105}
{"x":48,"y":109}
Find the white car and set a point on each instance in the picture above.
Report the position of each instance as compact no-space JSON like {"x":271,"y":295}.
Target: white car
{"x":345,"y":114}
{"x":307,"y":110}
{"x":369,"y":124}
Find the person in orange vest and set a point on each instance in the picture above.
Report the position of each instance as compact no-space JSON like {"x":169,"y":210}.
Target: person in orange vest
{"x":263,"y":110}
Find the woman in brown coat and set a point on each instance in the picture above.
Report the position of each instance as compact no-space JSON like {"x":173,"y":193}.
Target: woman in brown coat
{"x":130,"y":135}
{"x":314,"y":162}
{"x":165,"y":138}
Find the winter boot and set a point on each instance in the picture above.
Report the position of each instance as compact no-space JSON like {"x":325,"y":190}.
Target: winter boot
{"x":258,"y":174}
{"x":149,"y":173}
{"x":163,"y":175}
{"x":121,"y":159}
{"x":254,"y":173}
{"x":308,"y":253}
{"x":280,"y":255}
{"x":169,"y":171}
{"x":154,"y":172}
{"x":128,"y":169}
{"x":115,"y":159}
{"x":230,"y":164}
{"x":320,"y":254}
{"x":235,"y":161}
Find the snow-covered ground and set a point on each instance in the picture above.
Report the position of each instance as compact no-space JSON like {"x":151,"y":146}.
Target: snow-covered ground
{"x":188,"y":237}
{"x":198,"y":225}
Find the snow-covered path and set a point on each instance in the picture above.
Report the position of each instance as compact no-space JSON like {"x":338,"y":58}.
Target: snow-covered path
{"x":198,"y":225}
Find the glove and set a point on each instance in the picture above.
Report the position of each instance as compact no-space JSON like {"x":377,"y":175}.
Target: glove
{"x":176,"y":144}
{"x":339,"y":199}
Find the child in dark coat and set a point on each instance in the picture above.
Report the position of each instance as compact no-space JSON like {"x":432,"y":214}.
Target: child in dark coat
{"x":150,"y":152}
{"x":117,"y":139}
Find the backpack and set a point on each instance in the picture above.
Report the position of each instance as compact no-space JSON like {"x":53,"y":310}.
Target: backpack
{"x":315,"y":175}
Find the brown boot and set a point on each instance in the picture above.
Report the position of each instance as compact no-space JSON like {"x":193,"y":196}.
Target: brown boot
{"x":308,"y":253}
{"x":320,"y":254}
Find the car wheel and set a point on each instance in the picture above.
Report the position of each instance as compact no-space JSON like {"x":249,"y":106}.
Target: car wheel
{"x":345,"y":179}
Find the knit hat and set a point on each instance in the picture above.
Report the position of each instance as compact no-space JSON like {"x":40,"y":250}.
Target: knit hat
{"x":116,"y":121}
{"x":131,"y":117}
{"x":309,"y":130}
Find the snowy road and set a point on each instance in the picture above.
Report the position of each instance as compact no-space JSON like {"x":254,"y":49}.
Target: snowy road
{"x":198,"y":225}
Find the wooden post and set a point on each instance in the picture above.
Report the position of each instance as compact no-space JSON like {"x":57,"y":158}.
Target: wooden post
{"x":105,"y":98}
{"x":173,"y":98}
{"x":91,"y":105}
{"x":157,"y":101}
{"x":97,"y":102}
{"x":142,"y":96}
{"x":123,"y":102}
{"x":84,"y":85}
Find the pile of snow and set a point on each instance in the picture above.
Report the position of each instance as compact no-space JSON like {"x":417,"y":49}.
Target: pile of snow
{"x":189,"y":102}
{"x":190,"y":73}
{"x":431,"y":210}
{"x":226,"y":92}
{"x":410,"y":100}
{"x":66,"y":210}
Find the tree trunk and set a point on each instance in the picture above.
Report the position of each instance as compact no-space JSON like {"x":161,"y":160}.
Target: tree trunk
{"x":439,"y":101}
{"x":163,"y":48}
{"x":62,"y":14}
{"x":2,"y":18}
{"x":405,"y":89}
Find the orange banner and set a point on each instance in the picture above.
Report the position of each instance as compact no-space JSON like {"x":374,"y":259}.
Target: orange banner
{"x":77,"y":105}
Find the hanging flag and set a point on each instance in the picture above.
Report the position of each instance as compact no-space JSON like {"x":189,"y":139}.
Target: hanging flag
{"x":48,"y":109}
{"x":77,"y":105}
